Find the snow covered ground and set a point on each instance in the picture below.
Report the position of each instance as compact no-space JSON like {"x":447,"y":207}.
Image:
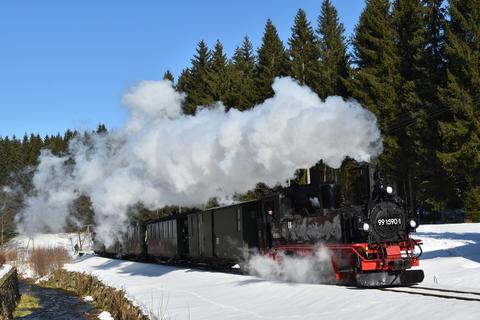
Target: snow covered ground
{"x":24,"y":245}
{"x":4,"y":270}
{"x":63,"y":240}
{"x":451,"y":255}
{"x":451,"y":259}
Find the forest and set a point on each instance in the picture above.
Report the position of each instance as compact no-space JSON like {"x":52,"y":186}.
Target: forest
{"x":414,"y":63}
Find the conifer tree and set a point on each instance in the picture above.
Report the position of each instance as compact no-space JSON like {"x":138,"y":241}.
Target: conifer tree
{"x":304,"y":52}
{"x":376,"y":80}
{"x":168,"y":76}
{"x":436,"y":188}
{"x":272,"y":61}
{"x":196,"y":86}
{"x":460,"y":129}
{"x":243,"y":83}
{"x":183,"y":79}
{"x":334,"y":69}
{"x":435,"y":39}
{"x":217,"y":77}
{"x":411,"y":126}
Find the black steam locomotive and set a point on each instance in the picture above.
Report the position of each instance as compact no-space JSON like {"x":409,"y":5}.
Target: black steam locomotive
{"x":362,"y":221}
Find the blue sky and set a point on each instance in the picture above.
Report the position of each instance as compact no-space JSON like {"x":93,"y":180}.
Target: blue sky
{"x":65,"y":64}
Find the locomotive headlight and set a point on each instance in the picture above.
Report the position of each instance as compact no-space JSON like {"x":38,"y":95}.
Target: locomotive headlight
{"x":366,"y":227}
{"x":389,"y":190}
{"x":413,"y":224}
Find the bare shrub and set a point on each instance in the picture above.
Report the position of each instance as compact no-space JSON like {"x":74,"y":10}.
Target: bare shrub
{"x":11,"y":255}
{"x":2,"y":258}
{"x":46,"y":260}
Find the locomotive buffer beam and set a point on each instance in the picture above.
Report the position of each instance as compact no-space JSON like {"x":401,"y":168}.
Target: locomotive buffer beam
{"x":381,"y":279}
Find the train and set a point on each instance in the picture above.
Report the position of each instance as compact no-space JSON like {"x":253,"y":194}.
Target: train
{"x":363,"y":222}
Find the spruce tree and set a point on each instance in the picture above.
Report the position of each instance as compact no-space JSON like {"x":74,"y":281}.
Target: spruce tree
{"x":460,"y":128}
{"x":436,"y":188}
{"x":376,"y":80}
{"x":183,"y":80}
{"x":334,"y":68}
{"x":168,"y":76}
{"x":410,"y":126}
{"x":272,"y":62}
{"x":217,"y":78}
{"x":304,"y":52}
{"x":196,"y":87}
{"x":243,"y":94}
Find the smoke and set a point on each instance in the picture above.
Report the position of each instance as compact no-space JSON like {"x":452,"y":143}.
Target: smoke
{"x":315,"y":268}
{"x":162,"y":157}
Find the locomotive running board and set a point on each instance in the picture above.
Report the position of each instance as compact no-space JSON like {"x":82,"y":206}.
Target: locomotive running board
{"x":382,"y":279}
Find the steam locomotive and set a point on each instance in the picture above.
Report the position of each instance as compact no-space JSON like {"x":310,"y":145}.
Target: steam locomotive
{"x":362,"y":221}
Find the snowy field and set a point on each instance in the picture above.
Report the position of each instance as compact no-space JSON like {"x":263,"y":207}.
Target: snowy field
{"x":451,"y":259}
{"x":24,"y":245}
{"x":63,"y":240}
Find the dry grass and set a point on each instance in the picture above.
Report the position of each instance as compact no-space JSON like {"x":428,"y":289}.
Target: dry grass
{"x":2,"y":258}
{"x":11,"y":255}
{"x":46,"y":260}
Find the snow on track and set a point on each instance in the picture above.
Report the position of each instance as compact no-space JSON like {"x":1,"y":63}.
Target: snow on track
{"x":451,"y":260}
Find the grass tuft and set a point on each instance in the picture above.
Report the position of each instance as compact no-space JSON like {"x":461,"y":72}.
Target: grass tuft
{"x":26,"y":306}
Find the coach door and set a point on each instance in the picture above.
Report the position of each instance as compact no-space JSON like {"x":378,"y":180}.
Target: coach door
{"x":268,"y":215}
{"x":182,"y":236}
{"x":250,"y":224}
{"x":193,"y":239}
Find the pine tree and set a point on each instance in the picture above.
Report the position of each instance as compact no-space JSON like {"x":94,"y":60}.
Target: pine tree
{"x":101,"y":130}
{"x":272,"y":62}
{"x":183,"y":80}
{"x":217,"y":78}
{"x":168,"y":76}
{"x":334,"y":68}
{"x":435,"y":186}
{"x":304,"y":52}
{"x":435,"y":39}
{"x":243,"y":94}
{"x":460,"y":129}
{"x":196,"y":87}
{"x":376,"y":80}
{"x":411,"y":126}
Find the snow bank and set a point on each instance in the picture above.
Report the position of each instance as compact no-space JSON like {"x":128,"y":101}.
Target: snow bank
{"x":4,"y":270}
{"x":452,"y":256}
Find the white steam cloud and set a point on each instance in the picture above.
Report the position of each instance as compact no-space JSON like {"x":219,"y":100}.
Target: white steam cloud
{"x":315,"y":268}
{"x":162,"y":157}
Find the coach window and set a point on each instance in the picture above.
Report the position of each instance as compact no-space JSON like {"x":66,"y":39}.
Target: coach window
{"x":287,"y":208}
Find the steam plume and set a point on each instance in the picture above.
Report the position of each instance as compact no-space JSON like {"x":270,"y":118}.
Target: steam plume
{"x":162,"y":157}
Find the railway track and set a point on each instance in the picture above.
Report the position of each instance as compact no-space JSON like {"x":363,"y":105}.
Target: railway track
{"x":437,"y":292}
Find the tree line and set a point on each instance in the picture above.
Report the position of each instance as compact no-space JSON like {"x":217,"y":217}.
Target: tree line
{"x":414,"y":63}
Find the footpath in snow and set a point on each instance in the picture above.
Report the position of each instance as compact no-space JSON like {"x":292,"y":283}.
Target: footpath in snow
{"x":451,"y":259}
